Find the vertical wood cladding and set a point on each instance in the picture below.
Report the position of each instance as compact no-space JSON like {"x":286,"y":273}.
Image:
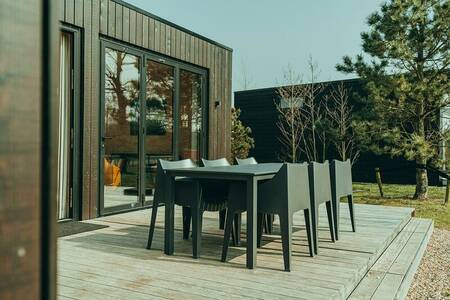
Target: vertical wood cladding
{"x":114,"y":19}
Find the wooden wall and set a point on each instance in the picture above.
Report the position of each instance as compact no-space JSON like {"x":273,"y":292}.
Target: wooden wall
{"x":114,"y":19}
{"x":27,"y":206}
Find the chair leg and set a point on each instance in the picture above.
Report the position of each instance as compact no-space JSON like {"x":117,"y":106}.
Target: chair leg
{"x":237,"y":228}
{"x":264,"y":222}
{"x":336,"y":214}
{"x":352,"y":216}
{"x":222,"y":216}
{"x":227,"y":233}
{"x":186,"y":222}
{"x":260,"y":224}
{"x":330,"y":220}
{"x":152,"y":225}
{"x":286,"y":238}
{"x":307,"y":214}
{"x":315,"y":227}
{"x":269,"y":221}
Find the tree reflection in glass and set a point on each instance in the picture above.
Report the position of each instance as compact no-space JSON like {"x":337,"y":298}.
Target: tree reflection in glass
{"x":121,"y":164}
{"x":190,"y":115}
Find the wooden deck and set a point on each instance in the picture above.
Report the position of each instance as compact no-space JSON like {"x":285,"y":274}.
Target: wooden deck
{"x":113,"y":263}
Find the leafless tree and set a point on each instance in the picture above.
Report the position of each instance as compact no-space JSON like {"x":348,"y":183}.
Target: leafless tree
{"x":313,"y":116}
{"x":339,"y":113}
{"x":290,"y":121}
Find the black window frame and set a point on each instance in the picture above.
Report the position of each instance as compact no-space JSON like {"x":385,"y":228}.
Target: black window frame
{"x":145,"y":55}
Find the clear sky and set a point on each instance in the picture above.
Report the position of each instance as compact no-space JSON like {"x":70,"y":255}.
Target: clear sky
{"x":267,"y":35}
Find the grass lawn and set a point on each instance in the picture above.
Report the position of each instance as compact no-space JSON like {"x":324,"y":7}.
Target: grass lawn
{"x":401,"y":195}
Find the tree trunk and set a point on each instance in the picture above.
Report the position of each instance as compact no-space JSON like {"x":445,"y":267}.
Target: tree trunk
{"x":421,"y":184}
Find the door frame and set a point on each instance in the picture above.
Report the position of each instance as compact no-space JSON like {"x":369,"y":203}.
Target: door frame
{"x":77,"y":117}
{"x":144,"y":55}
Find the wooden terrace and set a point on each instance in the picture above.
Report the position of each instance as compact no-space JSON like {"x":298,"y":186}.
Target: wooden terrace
{"x":376,"y":262}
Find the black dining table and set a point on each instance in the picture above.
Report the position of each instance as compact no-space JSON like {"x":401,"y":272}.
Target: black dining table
{"x":249,"y":174}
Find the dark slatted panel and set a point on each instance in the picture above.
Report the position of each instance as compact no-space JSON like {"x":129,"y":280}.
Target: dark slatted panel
{"x":126,"y":24}
{"x":95,"y":108}
{"x":62,"y":10}
{"x":195,"y":42}
{"x":79,"y":13}
{"x":104,"y":16}
{"x":119,"y":21}
{"x":132,"y":26}
{"x":162,"y":39}
{"x":157,"y":36}
{"x":229,"y":99}
{"x":151,"y":34}
{"x":87,"y":113}
{"x":213,"y":111}
{"x":111,"y":18}
{"x":220,"y":120}
{"x":173,"y":42}
{"x":187,"y":45}
{"x":145,"y":32}
{"x":70,"y":11}
{"x":200,"y":52}
{"x":192,"y":50}
{"x":168,"y":40}
{"x":183,"y":46}
{"x":139,"y":38}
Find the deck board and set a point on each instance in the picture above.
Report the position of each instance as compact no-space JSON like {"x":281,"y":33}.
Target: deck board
{"x":391,"y":276}
{"x":114,"y":260}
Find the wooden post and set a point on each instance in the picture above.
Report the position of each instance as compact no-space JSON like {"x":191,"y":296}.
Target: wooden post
{"x":447,"y":192}
{"x":378,"y":178}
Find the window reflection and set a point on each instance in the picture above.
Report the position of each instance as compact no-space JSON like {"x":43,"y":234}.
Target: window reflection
{"x":158,"y":119}
{"x":190,"y":115}
{"x":121,"y":163}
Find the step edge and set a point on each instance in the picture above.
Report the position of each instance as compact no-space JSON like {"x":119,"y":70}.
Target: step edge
{"x":407,"y":281}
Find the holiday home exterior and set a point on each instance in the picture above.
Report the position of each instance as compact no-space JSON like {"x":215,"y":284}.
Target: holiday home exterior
{"x":133,"y":88}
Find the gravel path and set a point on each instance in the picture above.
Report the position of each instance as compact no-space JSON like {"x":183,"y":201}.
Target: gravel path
{"x":432,"y":279}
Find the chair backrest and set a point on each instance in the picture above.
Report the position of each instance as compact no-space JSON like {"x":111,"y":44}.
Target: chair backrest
{"x":287,"y":191}
{"x":215,"y":162}
{"x":246,"y":161}
{"x":161,"y":178}
{"x":341,"y":177}
{"x":319,"y":182}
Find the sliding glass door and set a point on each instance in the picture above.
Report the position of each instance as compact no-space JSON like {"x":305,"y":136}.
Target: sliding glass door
{"x":120,"y":139}
{"x":153,"y":108}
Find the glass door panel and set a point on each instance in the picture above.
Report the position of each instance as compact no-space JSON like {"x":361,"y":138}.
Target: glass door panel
{"x":159,"y":99}
{"x":190,"y":116}
{"x":120,"y":138}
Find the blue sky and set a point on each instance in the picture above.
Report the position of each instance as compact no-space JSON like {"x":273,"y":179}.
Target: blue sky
{"x":267,"y":35}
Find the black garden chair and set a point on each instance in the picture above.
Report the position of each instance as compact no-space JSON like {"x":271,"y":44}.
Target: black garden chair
{"x":286,"y":193}
{"x":341,"y":186}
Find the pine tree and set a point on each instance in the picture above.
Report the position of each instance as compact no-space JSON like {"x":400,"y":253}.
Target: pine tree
{"x":406,"y":80}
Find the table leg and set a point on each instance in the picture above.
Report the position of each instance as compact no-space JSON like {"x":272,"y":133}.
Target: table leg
{"x":196,"y":222}
{"x":252,"y":210}
{"x":169,"y":217}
